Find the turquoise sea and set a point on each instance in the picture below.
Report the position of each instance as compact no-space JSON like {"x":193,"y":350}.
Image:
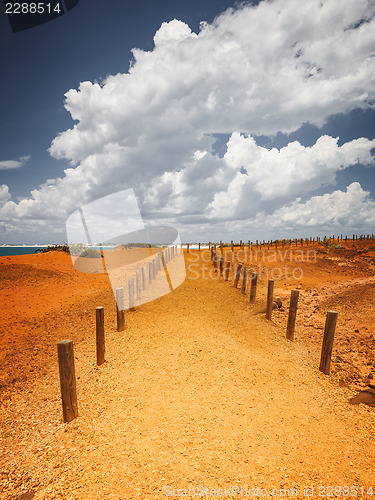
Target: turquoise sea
{"x":4,"y":251}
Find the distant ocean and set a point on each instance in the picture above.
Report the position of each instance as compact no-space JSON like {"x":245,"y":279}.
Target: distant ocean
{"x":5,"y":251}
{"x":25,"y":250}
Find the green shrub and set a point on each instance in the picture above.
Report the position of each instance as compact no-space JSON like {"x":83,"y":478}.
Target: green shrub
{"x":55,"y":248}
{"x":91,"y":253}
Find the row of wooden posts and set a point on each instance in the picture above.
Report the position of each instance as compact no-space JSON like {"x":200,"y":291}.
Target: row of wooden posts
{"x":65,"y":350}
{"x":331,"y":318}
{"x":65,"y":347}
{"x":288,"y":242}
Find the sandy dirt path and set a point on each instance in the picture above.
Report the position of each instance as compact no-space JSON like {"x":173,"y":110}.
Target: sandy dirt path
{"x":196,"y":393}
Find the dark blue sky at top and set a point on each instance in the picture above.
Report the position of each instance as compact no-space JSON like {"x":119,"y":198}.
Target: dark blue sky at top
{"x":39,"y":65}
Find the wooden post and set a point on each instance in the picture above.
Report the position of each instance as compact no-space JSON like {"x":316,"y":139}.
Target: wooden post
{"x":253,"y":289}
{"x":269,"y":299}
{"x":138,"y":282}
{"x":150,"y":272}
{"x":292,"y":314}
{"x":68,"y":388}
{"x":188,"y":246}
{"x":154,"y":267}
{"x":131,"y":293}
{"x":216,"y":259}
{"x":120,"y":309}
{"x":244,"y":281}
{"x":231,"y":245}
{"x":221,"y":266}
{"x":143,"y":277}
{"x":227,"y":271}
{"x":199,"y":247}
{"x":238,"y":273}
{"x":100,"y":336}
{"x":329,"y":333}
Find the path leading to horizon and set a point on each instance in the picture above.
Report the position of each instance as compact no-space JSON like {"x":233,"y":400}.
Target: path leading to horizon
{"x":196,"y":393}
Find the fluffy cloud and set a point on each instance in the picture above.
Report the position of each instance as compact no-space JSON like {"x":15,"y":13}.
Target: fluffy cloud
{"x":351,"y":208}
{"x":256,"y":69}
{"x":277,"y":176}
{"x":259,"y":69}
{"x":12,"y":164}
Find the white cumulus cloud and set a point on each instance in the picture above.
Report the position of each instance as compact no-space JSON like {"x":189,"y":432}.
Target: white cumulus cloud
{"x":255,"y":70}
{"x":351,"y":208}
{"x":281,"y":175}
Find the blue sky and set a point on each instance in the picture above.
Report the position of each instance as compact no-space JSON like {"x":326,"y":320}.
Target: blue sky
{"x":254,"y":122}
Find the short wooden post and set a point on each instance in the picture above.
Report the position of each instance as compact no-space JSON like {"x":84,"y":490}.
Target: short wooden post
{"x":238,"y":274}
{"x":269,"y":299}
{"x":138,"y":282}
{"x":187,"y":249}
{"x":244,"y":281}
{"x":253,"y":289}
{"x":68,"y":388}
{"x":199,"y":247}
{"x":100,"y":337}
{"x":227,"y":271}
{"x":154,"y":268}
{"x":215,"y":259}
{"x":143,"y":277}
{"x":131,"y":293}
{"x":158,"y":260}
{"x":292,"y":314}
{"x":150,"y":272}
{"x":221,"y":265}
{"x":329,"y":333}
{"x":231,"y":245}
{"x":120,"y":309}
